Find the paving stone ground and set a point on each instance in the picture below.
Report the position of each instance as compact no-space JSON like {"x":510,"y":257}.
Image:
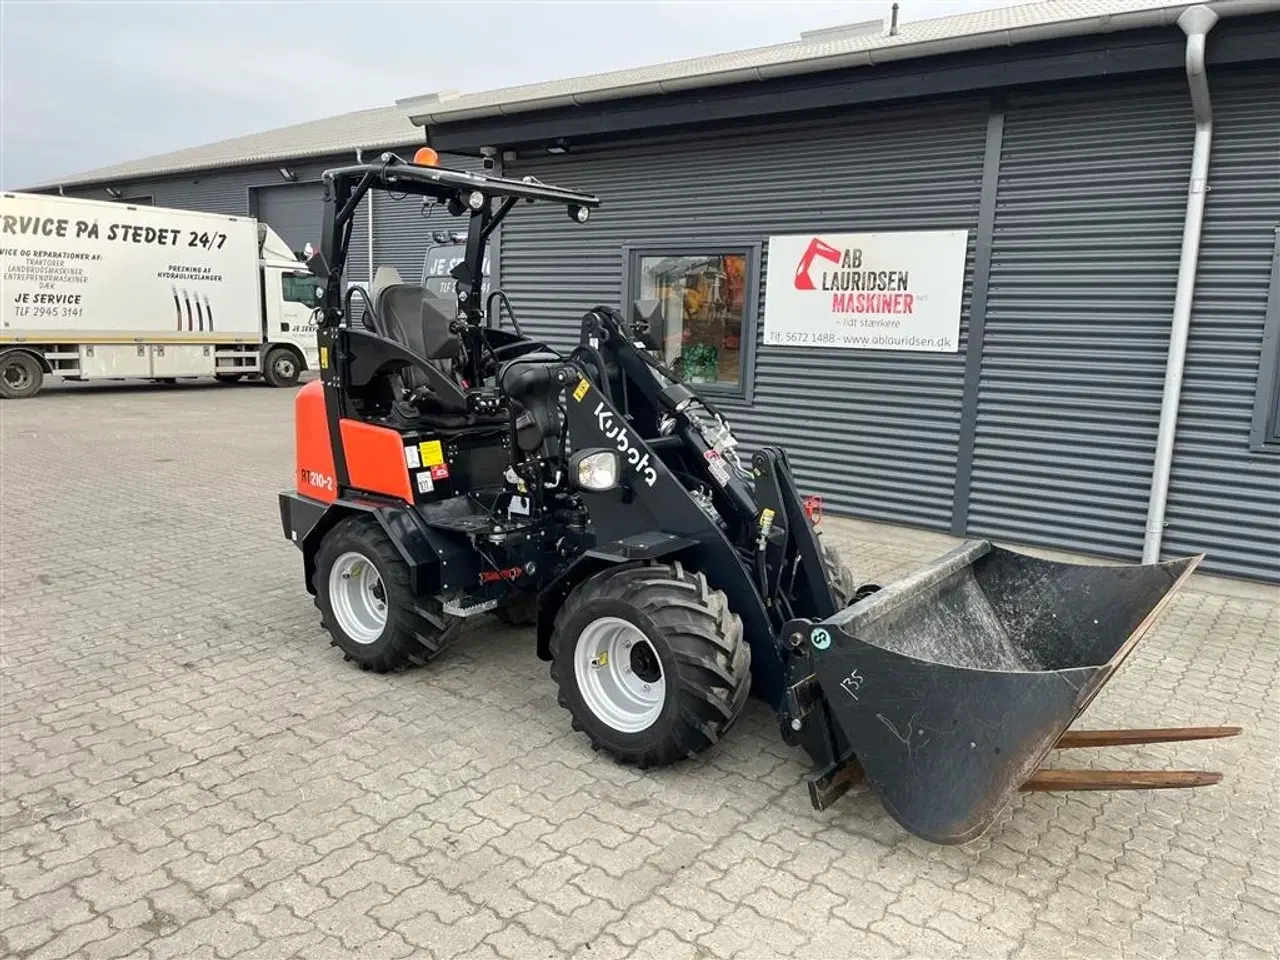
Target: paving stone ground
{"x":189,"y":770}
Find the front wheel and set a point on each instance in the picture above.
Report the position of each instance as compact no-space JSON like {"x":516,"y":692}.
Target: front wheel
{"x":840,"y":577}
{"x":20,"y":376}
{"x":282,"y":367}
{"x":650,"y":662}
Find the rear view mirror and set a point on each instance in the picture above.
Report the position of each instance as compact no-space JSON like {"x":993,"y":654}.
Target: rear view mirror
{"x":648,"y":324}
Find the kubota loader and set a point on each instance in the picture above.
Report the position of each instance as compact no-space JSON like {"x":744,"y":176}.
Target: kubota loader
{"x":449,"y":467}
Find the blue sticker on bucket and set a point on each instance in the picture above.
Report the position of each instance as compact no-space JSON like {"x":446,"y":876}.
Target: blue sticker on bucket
{"x":820,"y":639}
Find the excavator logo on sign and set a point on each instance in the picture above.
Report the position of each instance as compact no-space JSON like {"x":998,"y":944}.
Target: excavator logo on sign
{"x":817,"y":248}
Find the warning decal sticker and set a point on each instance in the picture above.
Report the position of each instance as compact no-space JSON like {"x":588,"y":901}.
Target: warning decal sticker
{"x":432,"y":454}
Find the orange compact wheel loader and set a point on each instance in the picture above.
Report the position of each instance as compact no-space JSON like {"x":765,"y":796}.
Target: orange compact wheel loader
{"x":448,"y":467}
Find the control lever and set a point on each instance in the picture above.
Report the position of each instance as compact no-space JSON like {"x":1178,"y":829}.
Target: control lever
{"x":484,"y":401}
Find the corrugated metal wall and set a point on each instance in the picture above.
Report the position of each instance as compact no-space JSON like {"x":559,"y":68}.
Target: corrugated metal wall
{"x":1225,"y":498}
{"x":1088,"y":228}
{"x":875,"y":434}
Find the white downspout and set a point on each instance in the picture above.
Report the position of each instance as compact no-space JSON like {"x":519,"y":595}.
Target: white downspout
{"x":369,"y":215}
{"x":1196,"y":22}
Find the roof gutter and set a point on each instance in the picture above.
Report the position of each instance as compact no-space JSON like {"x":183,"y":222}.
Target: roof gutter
{"x":1196,"y":22}
{"x":428,"y":111}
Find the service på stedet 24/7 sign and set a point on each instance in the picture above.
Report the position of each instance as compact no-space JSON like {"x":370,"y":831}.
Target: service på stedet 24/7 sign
{"x":866,"y":291}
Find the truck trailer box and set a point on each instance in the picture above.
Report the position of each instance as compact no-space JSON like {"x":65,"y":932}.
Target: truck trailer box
{"x":94,"y":289}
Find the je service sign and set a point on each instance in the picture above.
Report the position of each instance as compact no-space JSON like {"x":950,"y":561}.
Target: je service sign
{"x":866,"y":291}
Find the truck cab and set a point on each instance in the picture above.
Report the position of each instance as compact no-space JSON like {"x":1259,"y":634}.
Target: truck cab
{"x":290,"y":295}
{"x":447,"y":250}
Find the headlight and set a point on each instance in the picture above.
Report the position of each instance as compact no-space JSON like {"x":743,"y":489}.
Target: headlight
{"x":476,"y":200}
{"x":596,"y":470}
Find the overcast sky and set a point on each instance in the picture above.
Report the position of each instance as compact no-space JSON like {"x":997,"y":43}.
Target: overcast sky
{"x":84,"y":85}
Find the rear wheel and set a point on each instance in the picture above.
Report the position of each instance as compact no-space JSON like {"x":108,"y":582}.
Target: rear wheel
{"x":366,"y":602}
{"x":282,"y":367}
{"x":650,"y":662}
{"x":20,"y":376}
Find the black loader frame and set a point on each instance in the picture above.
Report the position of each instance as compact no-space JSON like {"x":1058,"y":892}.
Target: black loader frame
{"x":593,"y":491}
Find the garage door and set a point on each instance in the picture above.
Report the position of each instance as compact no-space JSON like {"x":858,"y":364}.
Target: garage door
{"x":294,"y":210}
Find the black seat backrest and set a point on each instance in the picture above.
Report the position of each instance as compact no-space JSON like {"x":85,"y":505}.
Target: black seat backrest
{"x":413,"y":317}
{"x":405,"y":313}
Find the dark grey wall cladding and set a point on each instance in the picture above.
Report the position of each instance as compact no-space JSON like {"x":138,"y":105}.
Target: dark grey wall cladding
{"x":874,"y":433}
{"x":1088,"y":225}
{"x":1088,"y":230}
{"x":228,"y":191}
{"x":1225,"y":498}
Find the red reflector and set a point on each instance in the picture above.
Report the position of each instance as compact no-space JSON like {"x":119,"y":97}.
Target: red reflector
{"x":813,"y":509}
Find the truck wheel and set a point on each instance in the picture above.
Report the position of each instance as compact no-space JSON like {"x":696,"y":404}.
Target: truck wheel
{"x":650,"y":662}
{"x":362,"y":588}
{"x":20,"y":376}
{"x":281,"y":368}
{"x":227,"y":377}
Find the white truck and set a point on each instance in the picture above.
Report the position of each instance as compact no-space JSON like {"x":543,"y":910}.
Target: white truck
{"x":100,"y":290}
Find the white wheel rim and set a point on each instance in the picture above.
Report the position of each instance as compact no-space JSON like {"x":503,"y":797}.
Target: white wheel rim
{"x":358,"y":598}
{"x":619,"y":674}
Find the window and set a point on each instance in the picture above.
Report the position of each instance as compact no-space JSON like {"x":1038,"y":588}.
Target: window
{"x":443,"y":256}
{"x":1265,"y":432}
{"x":708,"y":297}
{"x":300,"y":288}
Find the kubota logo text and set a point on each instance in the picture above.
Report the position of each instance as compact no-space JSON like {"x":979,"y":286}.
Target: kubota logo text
{"x":629,"y":448}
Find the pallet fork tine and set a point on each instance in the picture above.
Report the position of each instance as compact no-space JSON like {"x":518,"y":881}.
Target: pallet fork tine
{"x":1116,"y":738}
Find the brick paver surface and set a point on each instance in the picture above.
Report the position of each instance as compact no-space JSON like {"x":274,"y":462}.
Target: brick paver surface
{"x":189,"y":769}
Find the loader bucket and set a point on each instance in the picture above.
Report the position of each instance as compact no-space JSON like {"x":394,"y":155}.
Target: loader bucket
{"x":953,"y":684}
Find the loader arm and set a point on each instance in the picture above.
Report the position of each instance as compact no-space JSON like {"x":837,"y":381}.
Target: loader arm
{"x":755,"y":543}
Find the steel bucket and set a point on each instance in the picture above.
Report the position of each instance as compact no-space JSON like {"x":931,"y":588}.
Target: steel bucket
{"x":953,"y":684}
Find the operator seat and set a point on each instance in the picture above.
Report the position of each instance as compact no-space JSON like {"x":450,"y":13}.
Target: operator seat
{"x":417,"y":319}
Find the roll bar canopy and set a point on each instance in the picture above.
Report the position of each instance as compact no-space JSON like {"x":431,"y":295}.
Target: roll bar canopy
{"x":483,"y":198}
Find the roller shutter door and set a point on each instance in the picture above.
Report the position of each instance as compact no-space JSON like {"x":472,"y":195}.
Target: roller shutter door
{"x":874,"y":433}
{"x":294,"y":210}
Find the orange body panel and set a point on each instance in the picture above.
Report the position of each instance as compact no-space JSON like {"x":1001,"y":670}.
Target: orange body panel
{"x":375,"y":459}
{"x":313,"y":454}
